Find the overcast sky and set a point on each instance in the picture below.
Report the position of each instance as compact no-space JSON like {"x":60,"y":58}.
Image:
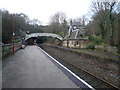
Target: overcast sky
{"x":44,"y":9}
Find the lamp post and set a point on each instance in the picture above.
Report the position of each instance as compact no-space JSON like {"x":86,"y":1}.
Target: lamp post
{"x":28,"y":32}
{"x":13,"y":33}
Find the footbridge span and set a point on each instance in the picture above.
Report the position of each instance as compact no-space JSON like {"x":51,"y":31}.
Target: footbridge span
{"x":28,"y":36}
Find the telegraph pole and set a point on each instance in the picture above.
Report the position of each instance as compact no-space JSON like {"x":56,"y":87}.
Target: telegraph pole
{"x":13,"y":33}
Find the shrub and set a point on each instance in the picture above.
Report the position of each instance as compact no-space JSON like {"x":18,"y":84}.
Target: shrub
{"x":95,"y":41}
{"x":91,"y":46}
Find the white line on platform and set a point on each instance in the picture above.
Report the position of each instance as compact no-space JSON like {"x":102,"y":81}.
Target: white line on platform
{"x":68,"y":70}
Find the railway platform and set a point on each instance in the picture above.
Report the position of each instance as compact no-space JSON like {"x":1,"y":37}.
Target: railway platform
{"x":33,"y":68}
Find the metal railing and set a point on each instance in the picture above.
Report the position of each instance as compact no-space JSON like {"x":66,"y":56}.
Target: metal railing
{"x":7,"y":48}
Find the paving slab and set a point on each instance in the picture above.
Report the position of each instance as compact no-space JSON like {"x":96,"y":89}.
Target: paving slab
{"x":31,"y":68}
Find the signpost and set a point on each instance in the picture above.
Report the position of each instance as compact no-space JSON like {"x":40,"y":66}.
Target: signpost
{"x":13,"y":34}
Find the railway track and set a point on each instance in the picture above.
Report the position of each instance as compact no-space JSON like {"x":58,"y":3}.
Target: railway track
{"x":94,"y":81}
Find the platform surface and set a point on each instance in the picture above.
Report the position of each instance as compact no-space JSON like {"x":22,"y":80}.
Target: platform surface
{"x":31,"y":68}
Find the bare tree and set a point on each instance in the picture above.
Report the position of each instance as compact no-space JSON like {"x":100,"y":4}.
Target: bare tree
{"x":103,"y":12}
{"x":58,"y":24}
{"x":59,"y":18}
{"x":35,"y":22}
{"x":81,"y":21}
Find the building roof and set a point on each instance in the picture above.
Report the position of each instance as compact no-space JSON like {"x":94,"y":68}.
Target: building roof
{"x":76,"y":34}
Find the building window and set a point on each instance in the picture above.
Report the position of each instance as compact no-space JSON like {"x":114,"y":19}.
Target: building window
{"x":77,"y":43}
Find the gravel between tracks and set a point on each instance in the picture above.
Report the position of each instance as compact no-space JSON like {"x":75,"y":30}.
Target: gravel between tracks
{"x":107,"y":71}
